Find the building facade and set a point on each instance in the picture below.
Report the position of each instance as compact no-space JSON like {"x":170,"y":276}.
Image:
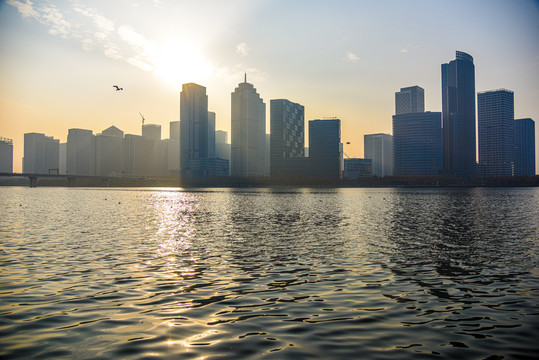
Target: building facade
{"x":41,"y":154}
{"x":6,"y":155}
{"x":417,"y":143}
{"x":248,"y":135}
{"x":379,"y":148}
{"x":458,"y":114}
{"x":496,"y":132}
{"x":525,"y":147}
{"x":193,"y":128}
{"x":410,"y":100}
{"x":325,"y":150}
{"x":355,"y":168}
{"x":80,"y":152}
{"x":287,"y":135}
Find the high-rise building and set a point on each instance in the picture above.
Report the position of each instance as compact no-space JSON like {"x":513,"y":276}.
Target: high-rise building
{"x":496,"y":132}
{"x":193,"y":128}
{"x":417,"y":143}
{"x":211,"y":134}
{"x":379,"y":148}
{"x":174,"y":130}
{"x":41,"y":154}
{"x":135,"y":155}
{"x":151,"y":132}
{"x":287,"y":135}
{"x":410,"y":100}
{"x":108,"y":151}
{"x":525,"y":147}
{"x":325,"y":150}
{"x":6,"y":155}
{"x":458,"y":116}
{"x":80,"y":152}
{"x":113,"y":131}
{"x":248,"y":121}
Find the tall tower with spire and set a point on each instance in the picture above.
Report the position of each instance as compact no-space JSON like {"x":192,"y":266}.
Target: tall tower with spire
{"x":248,"y":135}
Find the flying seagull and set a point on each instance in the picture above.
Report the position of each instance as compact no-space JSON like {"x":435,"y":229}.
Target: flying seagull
{"x":117,"y":87}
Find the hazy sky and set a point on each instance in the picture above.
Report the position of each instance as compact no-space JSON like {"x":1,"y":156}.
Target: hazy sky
{"x":59,"y":59}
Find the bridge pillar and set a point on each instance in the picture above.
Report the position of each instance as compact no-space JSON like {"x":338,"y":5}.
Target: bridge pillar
{"x":33,"y":181}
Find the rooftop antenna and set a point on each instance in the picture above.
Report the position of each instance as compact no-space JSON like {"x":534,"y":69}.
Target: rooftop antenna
{"x":245,"y":77}
{"x":142,"y":118}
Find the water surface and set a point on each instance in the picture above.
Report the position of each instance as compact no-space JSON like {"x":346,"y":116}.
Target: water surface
{"x":269,"y":273}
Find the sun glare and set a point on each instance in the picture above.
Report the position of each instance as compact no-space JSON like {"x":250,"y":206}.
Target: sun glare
{"x":181,"y":63}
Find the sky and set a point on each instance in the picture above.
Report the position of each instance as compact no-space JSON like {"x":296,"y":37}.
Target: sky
{"x":346,"y":59}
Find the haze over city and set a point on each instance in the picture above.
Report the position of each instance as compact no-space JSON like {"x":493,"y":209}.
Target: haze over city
{"x":344,"y":59}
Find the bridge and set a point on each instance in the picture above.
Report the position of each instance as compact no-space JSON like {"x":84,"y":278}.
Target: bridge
{"x":72,"y":179}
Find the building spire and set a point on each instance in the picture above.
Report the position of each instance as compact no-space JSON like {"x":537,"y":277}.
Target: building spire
{"x":245,"y":78}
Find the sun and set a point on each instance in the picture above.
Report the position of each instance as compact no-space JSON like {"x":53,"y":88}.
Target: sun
{"x":182,"y":63}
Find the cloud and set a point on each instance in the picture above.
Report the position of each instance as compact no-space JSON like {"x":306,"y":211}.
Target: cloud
{"x":58,"y":24}
{"x":26,"y":9}
{"x":242,"y":49}
{"x":351,"y":56}
{"x":404,"y":50}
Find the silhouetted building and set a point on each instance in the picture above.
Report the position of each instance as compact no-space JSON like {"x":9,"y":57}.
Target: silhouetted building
{"x":496,"y":132}
{"x":379,"y":148}
{"x":6,"y":155}
{"x":113,"y":131}
{"x":174,"y":130}
{"x":63,"y":158}
{"x":355,"y":168}
{"x":417,"y":143}
{"x":525,"y":147}
{"x":80,"y":152}
{"x":152,"y":132}
{"x":41,"y":154}
{"x":135,"y":155}
{"x":410,"y":100}
{"x":287,"y":136}
{"x":156,"y":153}
{"x":248,"y":121}
{"x":458,"y":103}
{"x":193,"y":128}
{"x":325,"y":148}
{"x":171,"y":156}
{"x":108,"y":152}
{"x":211,"y":134}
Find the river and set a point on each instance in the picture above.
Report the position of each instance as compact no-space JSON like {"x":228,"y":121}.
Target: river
{"x":168,"y":273}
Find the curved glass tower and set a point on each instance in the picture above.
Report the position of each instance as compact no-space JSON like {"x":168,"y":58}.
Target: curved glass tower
{"x":458,"y":116}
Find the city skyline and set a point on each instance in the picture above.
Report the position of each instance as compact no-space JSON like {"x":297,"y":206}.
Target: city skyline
{"x":350,"y":71}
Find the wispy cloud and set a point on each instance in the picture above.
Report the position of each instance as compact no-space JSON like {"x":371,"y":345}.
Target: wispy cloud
{"x":404,"y":50}
{"x":351,"y":56}
{"x":242,"y":49}
{"x":26,"y":9}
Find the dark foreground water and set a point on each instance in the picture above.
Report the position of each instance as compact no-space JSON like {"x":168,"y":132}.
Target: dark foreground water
{"x":269,"y":273}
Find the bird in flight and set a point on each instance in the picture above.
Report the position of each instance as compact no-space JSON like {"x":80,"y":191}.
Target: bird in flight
{"x":117,"y":87}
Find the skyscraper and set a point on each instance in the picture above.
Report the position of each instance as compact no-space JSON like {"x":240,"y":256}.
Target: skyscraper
{"x":496,"y":132}
{"x":6,"y":155}
{"x":417,"y":143}
{"x":525,"y":147}
{"x":109,"y":151}
{"x":80,"y":152}
{"x":458,"y":114}
{"x":379,"y":148}
{"x":325,"y":148}
{"x":248,"y":137}
{"x":211,"y":134}
{"x":41,"y":153}
{"x":287,"y":135}
{"x":410,"y":100}
{"x":193,"y":128}
{"x":174,"y":130}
